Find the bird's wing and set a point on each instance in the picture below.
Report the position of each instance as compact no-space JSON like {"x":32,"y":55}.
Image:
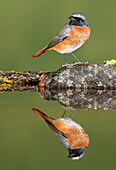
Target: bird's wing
{"x":61,"y":136}
{"x":61,"y":36}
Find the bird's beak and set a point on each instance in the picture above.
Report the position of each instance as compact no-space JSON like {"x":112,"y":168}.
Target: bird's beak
{"x":68,"y":156}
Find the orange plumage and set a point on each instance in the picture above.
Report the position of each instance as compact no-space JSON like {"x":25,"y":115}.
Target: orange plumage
{"x":40,"y":52}
{"x":74,"y":132}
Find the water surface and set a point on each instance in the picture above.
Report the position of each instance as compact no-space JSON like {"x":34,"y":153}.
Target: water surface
{"x":28,"y":143}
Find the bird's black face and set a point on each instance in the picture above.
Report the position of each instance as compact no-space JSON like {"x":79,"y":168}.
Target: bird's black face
{"x":78,"y":19}
{"x":77,"y":153}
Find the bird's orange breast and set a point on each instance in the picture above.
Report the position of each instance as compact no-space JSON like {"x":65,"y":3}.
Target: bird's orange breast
{"x":77,"y":37}
{"x":76,"y":136}
{"x":79,"y":34}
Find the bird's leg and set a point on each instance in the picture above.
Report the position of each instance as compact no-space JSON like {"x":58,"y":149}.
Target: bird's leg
{"x":75,"y":58}
{"x":64,"y":59}
{"x":74,"y":113}
{"x":64,"y":113}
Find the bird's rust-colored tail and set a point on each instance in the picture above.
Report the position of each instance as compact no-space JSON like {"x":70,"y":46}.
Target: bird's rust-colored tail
{"x":43,"y":116}
{"x":40,"y":52}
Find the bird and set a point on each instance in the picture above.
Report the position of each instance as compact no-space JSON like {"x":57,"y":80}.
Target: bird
{"x":71,"y":37}
{"x":71,"y":134}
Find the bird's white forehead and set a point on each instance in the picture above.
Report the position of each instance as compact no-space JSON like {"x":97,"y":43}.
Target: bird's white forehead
{"x":78,"y":157}
{"x":78,"y":15}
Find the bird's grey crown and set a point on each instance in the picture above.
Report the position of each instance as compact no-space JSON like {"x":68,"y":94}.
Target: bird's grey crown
{"x":78,"y":15}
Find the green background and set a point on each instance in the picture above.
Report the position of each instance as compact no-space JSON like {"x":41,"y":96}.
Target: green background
{"x":26,"y":26}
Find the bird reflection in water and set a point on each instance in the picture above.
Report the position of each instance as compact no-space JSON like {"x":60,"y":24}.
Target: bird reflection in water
{"x":71,"y":134}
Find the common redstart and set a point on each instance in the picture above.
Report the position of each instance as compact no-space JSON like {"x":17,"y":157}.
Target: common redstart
{"x":72,"y":36}
{"x":70,"y":134}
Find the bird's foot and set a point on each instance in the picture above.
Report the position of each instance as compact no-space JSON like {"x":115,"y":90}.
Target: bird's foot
{"x":67,"y":64}
{"x":75,"y":63}
{"x":81,"y":62}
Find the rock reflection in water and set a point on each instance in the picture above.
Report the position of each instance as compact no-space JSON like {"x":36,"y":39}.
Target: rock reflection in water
{"x":71,"y":134}
{"x":77,"y":99}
